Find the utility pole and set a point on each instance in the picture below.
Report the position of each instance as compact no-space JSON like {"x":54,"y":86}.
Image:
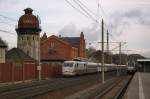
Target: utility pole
{"x":107,"y":41}
{"x":103,"y":80}
{"x":39,"y":62}
{"x":119,"y":58}
{"x":107,"y":46}
{"x":120,"y":53}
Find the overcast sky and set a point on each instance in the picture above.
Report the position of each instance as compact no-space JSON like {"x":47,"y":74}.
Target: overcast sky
{"x":127,"y":20}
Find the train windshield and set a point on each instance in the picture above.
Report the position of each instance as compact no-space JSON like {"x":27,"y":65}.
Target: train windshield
{"x":68,"y":64}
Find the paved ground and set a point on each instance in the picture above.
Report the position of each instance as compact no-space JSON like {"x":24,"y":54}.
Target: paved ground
{"x":139,"y":87}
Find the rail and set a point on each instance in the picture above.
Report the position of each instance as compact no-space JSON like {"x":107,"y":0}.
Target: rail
{"x":96,"y":91}
{"x":102,"y":90}
{"x":123,"y":89}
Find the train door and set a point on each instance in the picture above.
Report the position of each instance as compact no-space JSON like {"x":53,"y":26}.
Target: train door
{"x":76,"y":68}
{"x":85,"y":68}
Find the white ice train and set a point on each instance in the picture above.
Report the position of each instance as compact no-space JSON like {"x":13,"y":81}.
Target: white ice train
{"x":72,"y":68}
{"x":131,"y":70}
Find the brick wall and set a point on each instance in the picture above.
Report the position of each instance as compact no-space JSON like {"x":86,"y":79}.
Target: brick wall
{"x":20,"y":72}
{"x":62,"y":48}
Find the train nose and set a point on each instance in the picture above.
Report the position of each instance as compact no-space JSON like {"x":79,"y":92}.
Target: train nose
{"x":67,"y":69}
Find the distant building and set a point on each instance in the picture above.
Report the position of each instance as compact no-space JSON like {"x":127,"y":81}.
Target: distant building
{"x":143,"y":65}
{"x":3,"y":48}
{"x":62,"y":48}
{"x":16,"y":55}
{"x":28,"y":31}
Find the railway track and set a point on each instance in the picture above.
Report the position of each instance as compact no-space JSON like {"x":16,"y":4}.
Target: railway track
{"x":116,"y":91}
{"x":35,"y":89}
{"x":111,"y":89}
{"x":23,"y":91}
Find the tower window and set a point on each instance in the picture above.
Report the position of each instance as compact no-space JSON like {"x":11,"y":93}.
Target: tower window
{"x":27,"y":38}
{"x":33,"y":38}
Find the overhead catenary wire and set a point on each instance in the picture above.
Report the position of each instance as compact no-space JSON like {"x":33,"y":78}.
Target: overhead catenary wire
{"x":85,"y":11}
{"x":9,"y":32}
{"x":102,"y":9}
{"x":106,"y":16}
{"x":7,"y":23}
{"x":76,"y":8}
{"x":89,"y":9}
{"x":8,"y":18}
{"x":88,"y":12}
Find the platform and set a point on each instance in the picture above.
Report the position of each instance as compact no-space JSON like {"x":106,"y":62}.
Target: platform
{"x":139,"y":88}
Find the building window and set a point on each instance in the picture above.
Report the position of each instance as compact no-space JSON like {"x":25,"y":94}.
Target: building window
{"x":1,"y":53}
{"x":52,"y":44}
{"x":27,"y":52}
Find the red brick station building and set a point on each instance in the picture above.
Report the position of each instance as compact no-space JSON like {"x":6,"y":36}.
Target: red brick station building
{"x":62,"y":48}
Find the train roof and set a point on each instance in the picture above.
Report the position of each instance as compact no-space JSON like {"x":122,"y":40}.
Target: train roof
{"x":71,"y":61}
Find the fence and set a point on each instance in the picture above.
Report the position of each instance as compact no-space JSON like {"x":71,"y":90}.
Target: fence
{"x":28,"y":71}
{"x":50,"y":70}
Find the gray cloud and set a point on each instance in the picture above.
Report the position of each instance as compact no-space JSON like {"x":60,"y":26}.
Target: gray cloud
{"x":133,"y":13}
{"x":140,"y":15}
{"x":69,"y":30}
{"x":122,"y":20}
{"x":92,"y":32}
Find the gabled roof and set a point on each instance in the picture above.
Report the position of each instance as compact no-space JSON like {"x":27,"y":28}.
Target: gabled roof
{"x":2,"y":44}
{"x":17,"y":55}
{"x":57,"y":38}
{"x":74,"y":41}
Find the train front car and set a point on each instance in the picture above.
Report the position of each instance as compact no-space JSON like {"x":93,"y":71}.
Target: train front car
{"x":68,"y":68}
{"x":131,"y":70}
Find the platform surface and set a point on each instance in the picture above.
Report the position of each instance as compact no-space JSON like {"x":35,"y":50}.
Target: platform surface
{"x":139,"y":88}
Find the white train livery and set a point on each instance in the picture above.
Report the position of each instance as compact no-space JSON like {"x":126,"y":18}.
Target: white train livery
{"x":72,"y":68}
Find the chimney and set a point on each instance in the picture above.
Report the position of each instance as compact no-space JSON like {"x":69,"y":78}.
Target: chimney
{"x":59,"y":36}
{"x":81,"y":35}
